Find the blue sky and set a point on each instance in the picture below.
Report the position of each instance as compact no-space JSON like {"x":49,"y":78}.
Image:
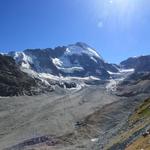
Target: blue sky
{"x":117,"y":29}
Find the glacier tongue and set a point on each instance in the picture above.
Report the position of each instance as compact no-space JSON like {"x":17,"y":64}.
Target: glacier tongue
{"x":117,"y":78}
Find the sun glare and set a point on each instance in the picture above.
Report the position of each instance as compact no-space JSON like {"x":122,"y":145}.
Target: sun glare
{"x":122,"y":5}
{"x":117,"y":11}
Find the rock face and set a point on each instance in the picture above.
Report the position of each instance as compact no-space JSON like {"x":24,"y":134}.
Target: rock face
{"x":140,"y":79}
{"x":76,"y":60}
{"x":13,"y":81}
{"x":140,"y":64}
{"x":134,"y":84}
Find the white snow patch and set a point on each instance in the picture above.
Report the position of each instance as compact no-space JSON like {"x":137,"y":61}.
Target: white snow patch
{"x":94,"y":59}
{"x":25,"y":65}
{"x":67,"y":50}
{"x":94,"y":140}
{"x":57,"y":61}
{"x":126,"y":70}
{"x":3,"y":53}
{"x":113,"y":73}
{"x":93,"y":52}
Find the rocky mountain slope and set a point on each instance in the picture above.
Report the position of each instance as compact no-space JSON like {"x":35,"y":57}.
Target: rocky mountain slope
{"x":140,"y":64}
{"x":14,"y":82}
{"x":135,"y":134}
{"x":134,"y":84}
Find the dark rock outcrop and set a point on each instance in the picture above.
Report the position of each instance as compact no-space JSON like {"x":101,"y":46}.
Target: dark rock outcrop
{"x":15,"y":82}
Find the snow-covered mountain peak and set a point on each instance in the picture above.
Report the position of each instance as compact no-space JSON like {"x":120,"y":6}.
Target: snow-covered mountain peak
{"x":75,"y":60}
{"x":81,"y":48}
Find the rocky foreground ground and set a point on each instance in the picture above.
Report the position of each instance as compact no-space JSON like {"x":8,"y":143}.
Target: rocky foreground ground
{"x":87,"y":118}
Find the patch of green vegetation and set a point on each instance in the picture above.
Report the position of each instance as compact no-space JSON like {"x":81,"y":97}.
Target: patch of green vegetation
{"x":143,"y":111}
